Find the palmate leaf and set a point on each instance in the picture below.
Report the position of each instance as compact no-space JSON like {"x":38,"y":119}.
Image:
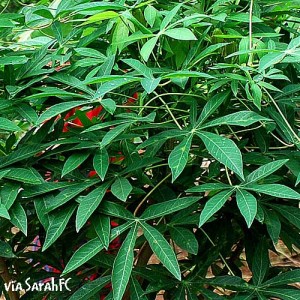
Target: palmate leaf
{"x":88,"y":204}
{"x":213,"y":205}
{"x":179,"y":156}
{"x":223,"y":150}
{"x":90,"y":289}
{"x":162,"y":249}
{"x":123,"y":264}
{"x":57,"y":224}
{"x":247,"y":205}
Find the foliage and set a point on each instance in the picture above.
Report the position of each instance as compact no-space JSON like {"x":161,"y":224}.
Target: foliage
{"x":128,"y":127}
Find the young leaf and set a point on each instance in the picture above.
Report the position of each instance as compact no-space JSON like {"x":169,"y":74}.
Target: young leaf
{"x":265,"y":170}
{"x":121,"y":188}
{"x":91,"y":288}
{"x":57,"y":224}
{"x":101,"y":162}
{"x":247,"y":205}
{"x":182,"y":34}
{"x":168,"y":207}
{"x":88,"y":204}
{"x":276,"y":190}
{"x":179,"y":156}
{"x":102,"y":227}
{"x":223,"y":150}
{"x":213,"y":205}
{"x":162,"y":249}
{"x":185,"y":239}
{"x":123,"y":264}
{"x":73,"y":162}
{"x":19,"y":217}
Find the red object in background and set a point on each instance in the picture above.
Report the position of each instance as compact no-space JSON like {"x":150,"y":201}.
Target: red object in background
{"x":89,"y":114}
{"x":132,"y":99}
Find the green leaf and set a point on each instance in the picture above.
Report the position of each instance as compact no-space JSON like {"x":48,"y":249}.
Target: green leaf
{"x":40,"y":209}
{"x":240,"y":118}
{"x":123,"y":264}
{"x":179,"y":156}
{"x":150,"y":14}
{"x":58,"y":109}
{"x":69,"y":193}
{"x":150,"y":84}
{"x":283,"y":279}
{"x":182,"y":34}
{"x":8,"y":125}
{"x":24,"y":175}
{"x":91,"y":288}
{"x":162,"y":249}
{"x":247,"y":205}
{"x":136,"y":292}
{"x":88,"y":204}
{"x":213,"y":205}
{"x":265,"y":170}
{"x":284,"y":294}
{"x":121,"y":188}
{"x":102,"y":227}
{"x":83,"y":254}
{"x":256,"y":94}
{"x":260,"y":263}
{"x":13,"y":60}
{"x":73,"y":162}
{"x":270,"y":59}
{"x":9,"y":193}
{"x":139,"y":67}
{"x":291,"y":213}
{"x":6,"y":250}
{"x":206,"y":187}
{"x":90,"y":52}
{"x":57,"y":224}
{"x":109,"y":105}
{"x":19,"y":217}
{"x":148,"y":48}
{"x":211,"y":106}
{"x":169,"y":16}
{"x":276,"y":190}
{"x":4,"y":212}
{"x":115,"y":210}
{"x":185,"y":239}
{"x":273,"y":225}
{"x":223,"y":150}
{"x":168,"y":207}
{"x":101,"y":162}
{"x":112,"y":134}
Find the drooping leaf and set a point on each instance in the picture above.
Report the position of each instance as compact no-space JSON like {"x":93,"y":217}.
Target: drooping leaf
{"x":162,"y":249}
{"x":57,"y":224}
{"x":247,"y":205}
{"x":224,"y":150}
{"x":179,"y":156}
{"x":123,"y":264}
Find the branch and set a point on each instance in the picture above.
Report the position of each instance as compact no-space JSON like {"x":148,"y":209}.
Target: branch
{"x":6,"y":277}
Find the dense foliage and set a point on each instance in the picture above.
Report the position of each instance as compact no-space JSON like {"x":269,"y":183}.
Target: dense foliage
{"x":133,"y":128}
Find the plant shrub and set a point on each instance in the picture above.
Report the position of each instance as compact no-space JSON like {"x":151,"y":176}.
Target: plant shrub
{"x":133,"y":128}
